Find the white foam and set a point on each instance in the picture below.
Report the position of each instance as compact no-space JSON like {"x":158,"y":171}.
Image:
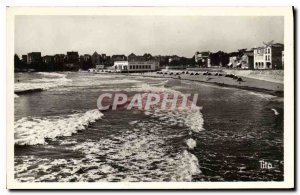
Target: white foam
{"x":275,"y":111}
{"x":116,"y":81}
{"x":187,"y":167}
{"x":132,"y":122}
{"x":143,"y":156}
{"x":67,"y":142}
{"x":261,"y":95}
{"x":154,"y":89}
{"x":52,"y":74}
{"x":43,"y":83}
{"x":191,"y":143}
{"x":194,"y":120}
{"x":32,"y":131}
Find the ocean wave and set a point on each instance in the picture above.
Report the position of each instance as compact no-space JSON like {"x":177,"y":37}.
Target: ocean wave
{"x":192,"y":118}
{"x":275,"y":111}
{"x":139,"y":154}
{"x":258,"y":94}
{"x":42,"y":84}
{"x":191,"y":143}
{"x":154,"y":89}
{"x":52,"y":74}
{"x":187,"y":167}
{"x":117,"y":81}
{"x":32,"y":131}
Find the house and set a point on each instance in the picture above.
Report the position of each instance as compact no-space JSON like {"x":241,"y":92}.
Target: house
{"x":59,"y":58}
{"x":48,"y":59}
{"x":234,"y":62}
{"x":132,"y":58}
{"x":203,"y":59}
{"x":72,"y":57}
{"x":96,"y":58}
{"x":146,"y":57}
{"x":103,"y":56}
{"x":118,"y":58}
{"x":269,"y":56}
{"x":87,"y":58}
{"x":259,"y":58}
{"x":247,"y":60}
{"x":34,"y":57}
{"x":24,"y":58}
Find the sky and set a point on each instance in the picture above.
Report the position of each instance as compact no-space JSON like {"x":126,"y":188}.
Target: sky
{"x":158,"y":35}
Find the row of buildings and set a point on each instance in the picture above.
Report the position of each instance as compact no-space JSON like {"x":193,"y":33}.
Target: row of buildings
{"x":268,"y":56}
{"x":72,"y":60}
{"x":71,"y":57}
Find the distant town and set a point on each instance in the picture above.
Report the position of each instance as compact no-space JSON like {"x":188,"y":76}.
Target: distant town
{"x":268,"y":56}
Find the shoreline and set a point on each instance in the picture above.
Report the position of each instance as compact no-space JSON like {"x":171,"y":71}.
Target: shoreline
{"x":247,"y":83}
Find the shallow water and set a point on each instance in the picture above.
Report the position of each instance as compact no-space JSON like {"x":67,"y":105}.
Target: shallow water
{"x":60,"y":136}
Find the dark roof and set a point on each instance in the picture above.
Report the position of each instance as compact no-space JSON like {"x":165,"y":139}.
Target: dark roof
{"x":277,"y":45}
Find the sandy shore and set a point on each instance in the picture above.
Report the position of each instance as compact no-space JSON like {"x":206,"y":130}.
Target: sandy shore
{"x":247,"y":83}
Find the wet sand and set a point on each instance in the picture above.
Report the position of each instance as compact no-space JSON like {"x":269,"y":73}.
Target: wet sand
{"x":247,"y":83}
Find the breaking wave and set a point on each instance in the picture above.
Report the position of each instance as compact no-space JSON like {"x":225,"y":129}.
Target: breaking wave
{"x":52,"y":74}
{"x":32,"y":131}
{"x":191,"y":143}
{"x":192,"y":118}
{"x":139,"y":154}
{"x":43,"y":83}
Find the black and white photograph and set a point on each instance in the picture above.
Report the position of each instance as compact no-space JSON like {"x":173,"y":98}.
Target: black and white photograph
{"x":150,"y":98}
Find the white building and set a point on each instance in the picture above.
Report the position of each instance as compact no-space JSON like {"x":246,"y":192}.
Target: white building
{"x":120,"y":66}
{"x":136,"y":66}
{"x":203,"y":59}
{"x":269,"y":56}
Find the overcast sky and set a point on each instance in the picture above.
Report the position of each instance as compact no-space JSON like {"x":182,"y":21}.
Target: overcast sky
{"x":164,"y":35}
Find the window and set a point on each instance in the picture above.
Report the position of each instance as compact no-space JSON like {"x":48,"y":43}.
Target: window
{"x":130,"y":67}
{"x":266,"y":57}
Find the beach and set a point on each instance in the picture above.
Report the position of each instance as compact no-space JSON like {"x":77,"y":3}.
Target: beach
{"x":253,"y":84}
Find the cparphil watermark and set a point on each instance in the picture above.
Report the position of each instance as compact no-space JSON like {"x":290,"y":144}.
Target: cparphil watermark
{"x":146,"y":101}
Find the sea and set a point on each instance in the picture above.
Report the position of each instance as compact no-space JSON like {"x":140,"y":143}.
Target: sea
{"x":61,"y":136}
